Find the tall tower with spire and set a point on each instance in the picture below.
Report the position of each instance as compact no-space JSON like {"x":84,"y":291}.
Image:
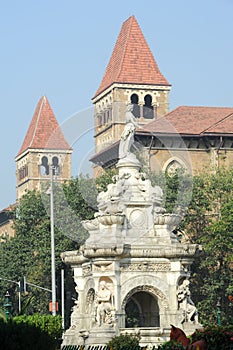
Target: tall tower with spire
{"x":44,"y":150}
{"x":132,"y":76}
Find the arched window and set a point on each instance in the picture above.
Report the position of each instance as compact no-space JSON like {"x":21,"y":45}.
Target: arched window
{"x":173,"y":167}
{"x":136,"y":107}
{"x":99,"y":119}
{"x":148,"y":112}
{"x":23,"y":172}
{"x":44,"y":167}
{"x":55,"y":166}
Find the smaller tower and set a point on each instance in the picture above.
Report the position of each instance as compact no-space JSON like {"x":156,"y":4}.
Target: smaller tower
{"x":44,"y":149}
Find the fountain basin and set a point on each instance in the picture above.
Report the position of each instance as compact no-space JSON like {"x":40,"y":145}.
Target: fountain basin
{"x":111,"y":219}
{"x":91,"y":225}
{"x":167,"y":219}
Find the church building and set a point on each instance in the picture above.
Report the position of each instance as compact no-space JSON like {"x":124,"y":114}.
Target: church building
{"x":194,"y":138}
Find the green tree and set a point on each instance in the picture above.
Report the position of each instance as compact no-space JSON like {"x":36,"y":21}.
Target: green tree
{"x":29,"y":252}
{"x":209,"y":222}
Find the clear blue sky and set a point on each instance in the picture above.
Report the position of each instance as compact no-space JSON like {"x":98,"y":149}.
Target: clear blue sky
{"x":61,"y":49}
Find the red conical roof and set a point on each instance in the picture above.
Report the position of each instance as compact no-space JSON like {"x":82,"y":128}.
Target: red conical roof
{"x":44,"y":131}
{"x":132,"y":60}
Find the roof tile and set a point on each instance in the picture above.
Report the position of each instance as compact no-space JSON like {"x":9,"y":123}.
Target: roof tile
{"x":194,"y":121}
{"x":44,"y":131}
{"x":132,"y":60}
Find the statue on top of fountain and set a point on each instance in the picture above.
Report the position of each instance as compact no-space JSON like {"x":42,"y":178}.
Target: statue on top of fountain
{"x":127,"y":137}
{"x":131,"y":206}
{"x":130,"y":182}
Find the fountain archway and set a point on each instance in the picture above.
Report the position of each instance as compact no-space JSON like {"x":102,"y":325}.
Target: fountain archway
{"x":142,"y":307}
{"x":142,"y":310}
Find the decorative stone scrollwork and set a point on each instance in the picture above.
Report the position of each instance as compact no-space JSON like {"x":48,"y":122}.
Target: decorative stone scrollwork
{"x":87,"y":270}
{"x":149,"y":289}
{"x":91,"y":225}
{"x":138,"y":218}
{"x":146,"y":267}
{"x":103,"y":266}
{"x":109,"y":201}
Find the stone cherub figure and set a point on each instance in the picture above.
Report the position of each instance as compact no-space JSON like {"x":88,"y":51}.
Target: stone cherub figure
{"x":186,"y":304}
{"x":104,"y":304}
{"x":127,"y":136}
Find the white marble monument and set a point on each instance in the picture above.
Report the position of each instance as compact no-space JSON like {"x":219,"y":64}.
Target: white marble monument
{"x":132,"y":273}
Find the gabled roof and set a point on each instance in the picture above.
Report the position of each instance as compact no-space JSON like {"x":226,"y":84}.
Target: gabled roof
{"x":132,"y":60}
{"x":44,"y":131}
{"x":187,"y":120}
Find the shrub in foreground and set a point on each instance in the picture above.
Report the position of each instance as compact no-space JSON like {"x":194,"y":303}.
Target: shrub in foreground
{"x":30,"y":332}
{"x":124,"y":342}
{"x":216,"y":338}
{"x":52,"y":325}
{"x":23,"y":336}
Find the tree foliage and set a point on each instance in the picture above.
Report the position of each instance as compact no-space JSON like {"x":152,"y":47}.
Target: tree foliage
{"x":209,"y":222}
{"x":29,"y":252}
{"x":46,"y":323}
{"x":31,"y":332}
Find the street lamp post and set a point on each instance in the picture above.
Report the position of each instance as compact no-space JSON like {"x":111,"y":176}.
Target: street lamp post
{"x":19,"y":289}
{"x":7,"y":305}
{"x":53,"y":276}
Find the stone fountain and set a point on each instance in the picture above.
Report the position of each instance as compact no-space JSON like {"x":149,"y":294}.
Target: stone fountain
{"x":131,"y":275}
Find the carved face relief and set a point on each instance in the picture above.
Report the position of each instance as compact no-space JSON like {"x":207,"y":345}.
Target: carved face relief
{"x":138,"y":218}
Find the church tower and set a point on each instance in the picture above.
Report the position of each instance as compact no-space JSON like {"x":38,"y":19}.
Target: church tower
{"x":132,"y":76}
{"x":44,"y":150}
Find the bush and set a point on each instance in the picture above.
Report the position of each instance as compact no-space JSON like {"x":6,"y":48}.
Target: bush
{"x":171,"y":345}
{"x":216,"y":338}
{"x":23,"y":336}
{"x":124,"y":342}
{"x":52,"y":325}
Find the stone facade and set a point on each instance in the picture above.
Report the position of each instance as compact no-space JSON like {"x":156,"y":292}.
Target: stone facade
{"x":195,"y":157}
{"x":109,"y":109}
{"x":31,"y":173}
